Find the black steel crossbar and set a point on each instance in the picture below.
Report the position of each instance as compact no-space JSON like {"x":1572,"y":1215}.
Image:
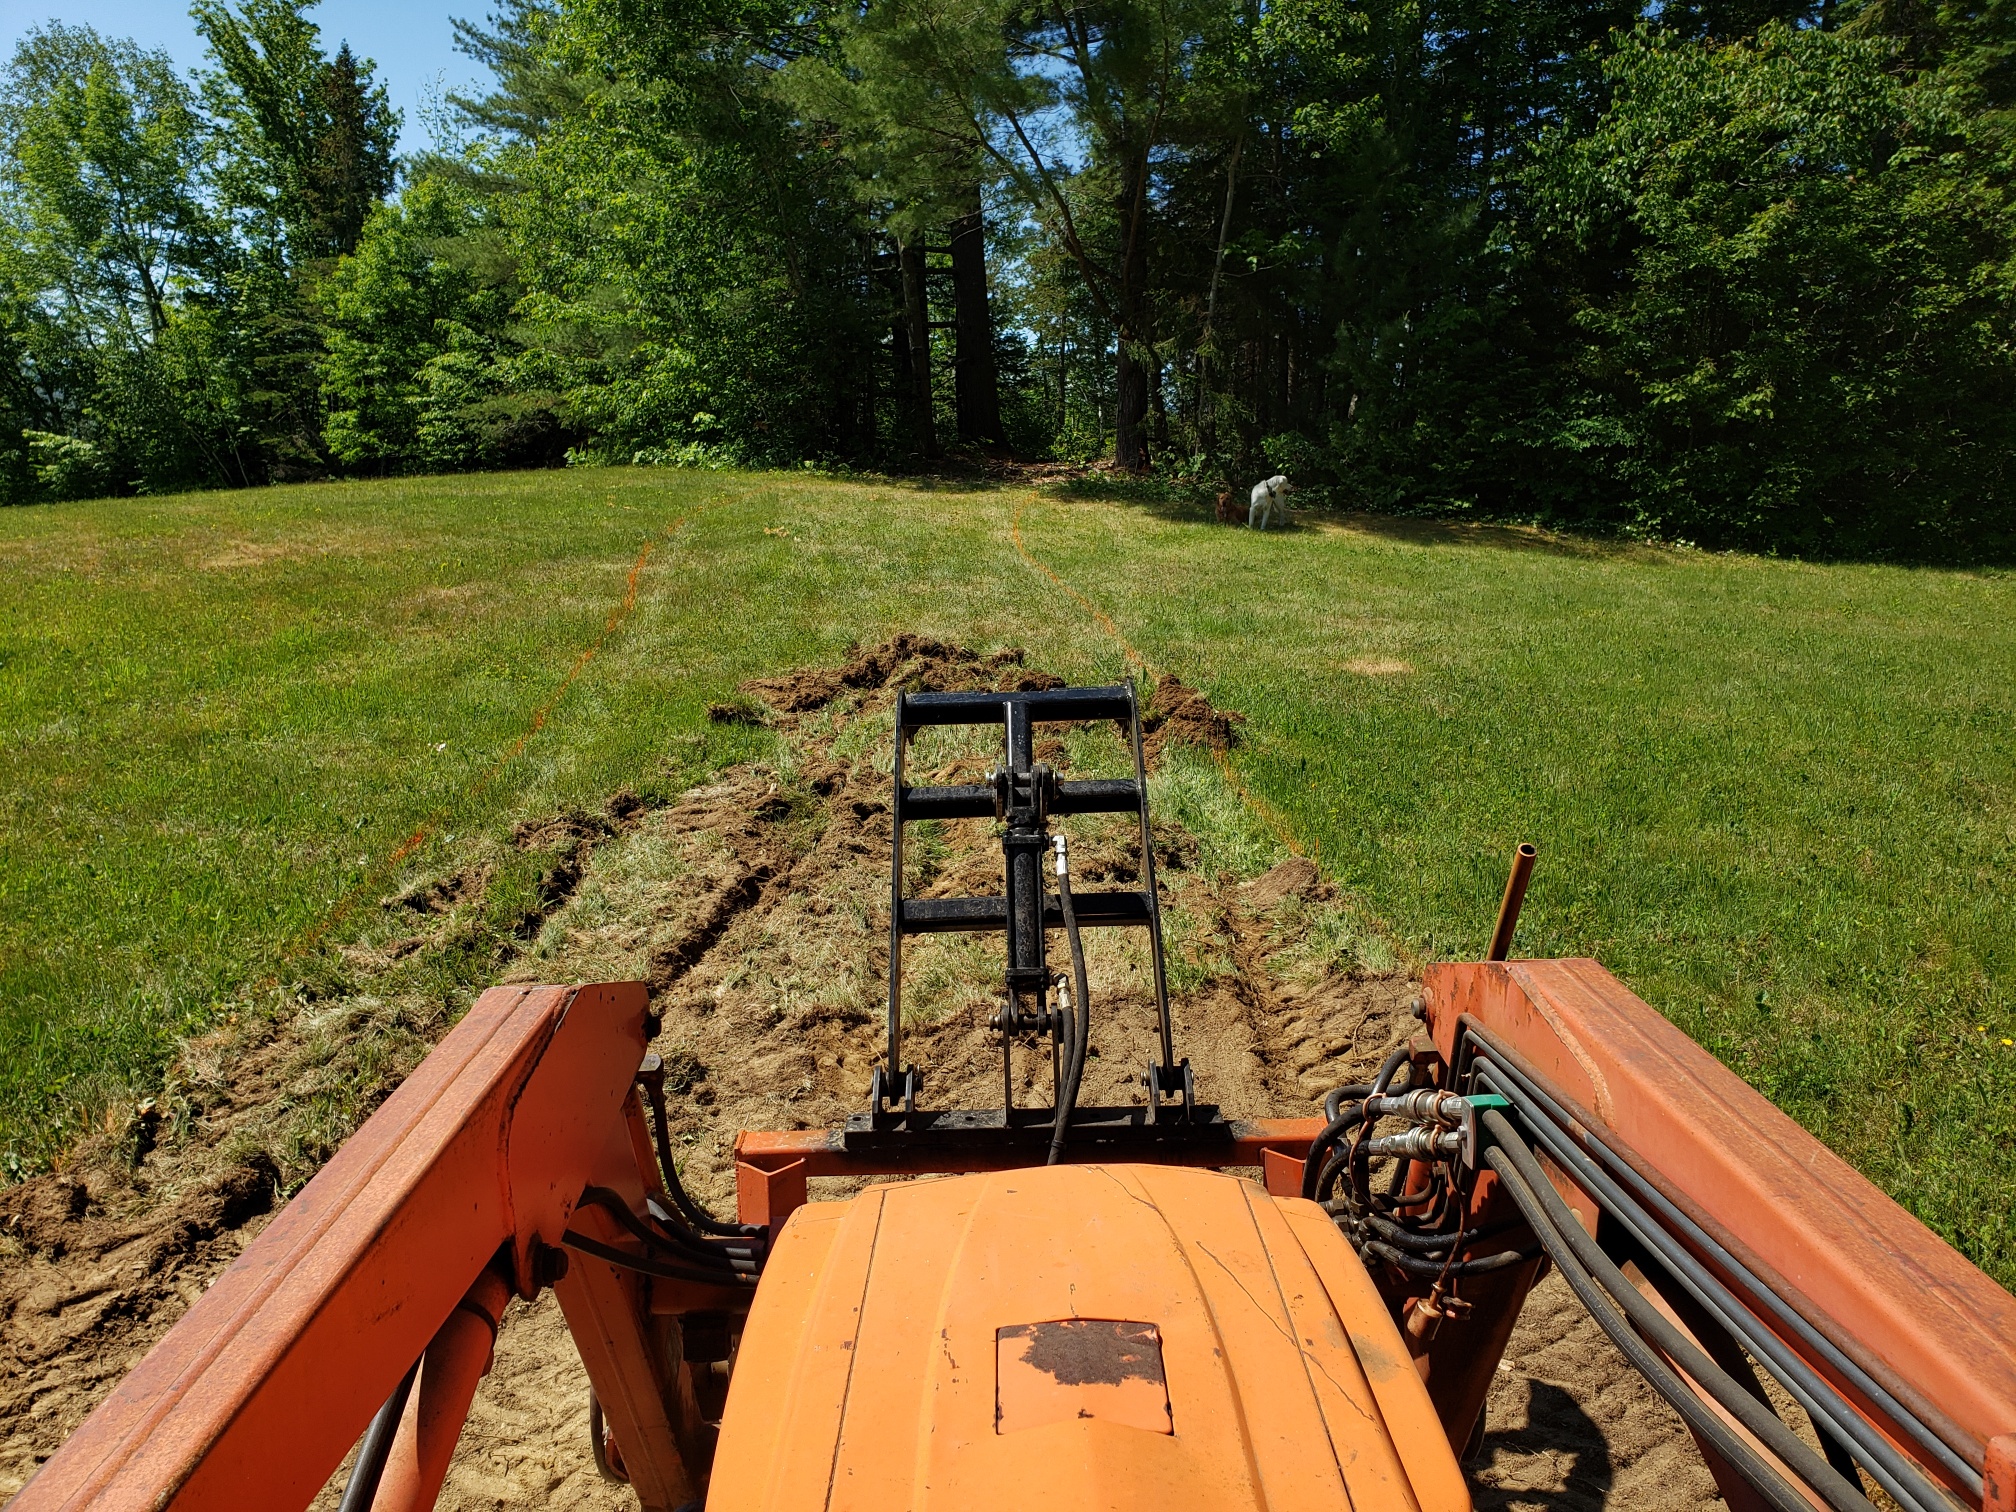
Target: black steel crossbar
{"x":975,"y":915}
{"x":1044,"y":706}
{"x":1116,"y":795}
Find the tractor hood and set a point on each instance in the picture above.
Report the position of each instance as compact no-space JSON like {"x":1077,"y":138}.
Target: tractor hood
{"x":1075,"y":1337}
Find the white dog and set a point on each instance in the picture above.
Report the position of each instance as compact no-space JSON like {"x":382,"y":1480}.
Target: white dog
{"x":1267,"y":498}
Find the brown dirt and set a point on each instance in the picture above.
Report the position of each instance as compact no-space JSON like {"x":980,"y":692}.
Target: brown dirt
{"x":753,"y":906}
{"x":914,"y":661}
{"x":1179,"y":715}
{"x":91,"y":1278}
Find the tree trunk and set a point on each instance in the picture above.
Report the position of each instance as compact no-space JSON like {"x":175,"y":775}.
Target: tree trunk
{"x":976,"y":387}
{"x":1130,"y":439}
{"x":917,"y":326}
{"x":1130,"y":435}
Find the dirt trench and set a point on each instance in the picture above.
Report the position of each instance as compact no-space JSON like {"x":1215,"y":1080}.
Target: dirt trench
{"x":755,"y":907}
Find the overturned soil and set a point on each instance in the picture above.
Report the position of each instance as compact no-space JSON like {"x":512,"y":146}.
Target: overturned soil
{"x":755,"y":906}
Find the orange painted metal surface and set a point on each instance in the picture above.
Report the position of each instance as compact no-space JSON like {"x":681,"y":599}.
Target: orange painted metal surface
{"x":609,"y":1312}
{"x":1080,"y":1368}
{"x":1999,"y":1479}
{"x":457,"y":1358}
{"x":253,"y":1399}
{"x":1826,"y":1237}
{"x":825,"y":1153}
{"x":1101,"y":1334}
{"x":1281,"y":1172}
{"x":767,"y":1193}
{"x":871,"y":1372}
{"x":1457,"y":1352}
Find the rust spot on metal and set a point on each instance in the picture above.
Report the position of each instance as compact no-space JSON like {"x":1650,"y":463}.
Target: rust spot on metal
{"x":1091,"y":1351}
{"x":1108,"y":1368}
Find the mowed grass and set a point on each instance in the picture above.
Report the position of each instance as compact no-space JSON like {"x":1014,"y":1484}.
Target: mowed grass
{"x":1779,"y":800}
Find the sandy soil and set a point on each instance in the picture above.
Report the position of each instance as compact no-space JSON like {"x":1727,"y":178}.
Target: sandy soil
{"x":755,"y":907}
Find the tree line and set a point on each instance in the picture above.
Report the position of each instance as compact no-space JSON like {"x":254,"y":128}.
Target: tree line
{"x":1737,"y":272}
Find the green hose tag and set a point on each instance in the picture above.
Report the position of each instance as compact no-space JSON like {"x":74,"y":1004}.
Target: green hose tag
{"x":1482,"y":1103}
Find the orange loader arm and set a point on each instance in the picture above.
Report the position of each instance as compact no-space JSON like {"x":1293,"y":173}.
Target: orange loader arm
{"x":452,"y":1197}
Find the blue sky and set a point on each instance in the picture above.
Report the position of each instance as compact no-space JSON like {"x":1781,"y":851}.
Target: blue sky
{"x":409,"y":39}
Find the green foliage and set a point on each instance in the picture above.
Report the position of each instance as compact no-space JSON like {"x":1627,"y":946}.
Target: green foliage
{"x":160,"y":261}
{"x":1809,"y":347}
{"x":690,"y":268}
{"x":104,"y":148}
{"x":309,"y":138}
{"x":66,"y":467}
{"x":1737,"y":272}
{"x":349,"y":167}
{"x":112,"y":261}
{"x":412,"y":354}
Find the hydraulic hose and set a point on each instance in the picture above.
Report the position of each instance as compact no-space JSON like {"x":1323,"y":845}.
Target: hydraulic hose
{"x":673,"y":1227}
{"x":1431,"y":1243}
{"x":1774,"y":1489}
{"x":1334,"y":1102}
{"x":1644,"y":1334}
{"x":650,"y":1267}
{"x":1359,"y":1166}
{"x":696,"y":1215}
{"x":683,"y":1250}
{"x":1331,"y":1160}
{"x":362,"y":1488}
{"x":1392,"y":1066}
{"x":1343,"y":1119}
{"x":1885,"y":1464}
{"x":1074,"y":1071}
{"x":1421,"y":1265}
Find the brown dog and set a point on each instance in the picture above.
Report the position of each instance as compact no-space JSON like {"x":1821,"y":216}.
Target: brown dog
{"x":1227,"y":515}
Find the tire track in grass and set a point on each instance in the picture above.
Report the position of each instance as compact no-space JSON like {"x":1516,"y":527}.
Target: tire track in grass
{"x":619,"y":613}
{"x":1276,"y":822}
{"x":1104,"y":621}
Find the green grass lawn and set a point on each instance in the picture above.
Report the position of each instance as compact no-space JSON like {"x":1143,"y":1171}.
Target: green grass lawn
{"x":1778,"y":799}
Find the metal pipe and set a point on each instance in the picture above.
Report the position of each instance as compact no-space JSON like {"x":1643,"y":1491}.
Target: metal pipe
{"x":1359,"y":1158}
{"x":1422,"y":1142}
{"x":456,"y":1359}
{"x":1163,"y":1026}
{"x":1023,"y":846}
{"x":1514,"y":899}
{"x":894,"y":1068}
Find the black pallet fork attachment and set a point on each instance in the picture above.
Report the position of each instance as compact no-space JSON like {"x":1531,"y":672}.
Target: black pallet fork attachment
{"x":1024,"y":795}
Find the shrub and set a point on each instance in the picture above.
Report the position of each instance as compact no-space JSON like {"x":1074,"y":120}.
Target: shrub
{"x":66,"y":467}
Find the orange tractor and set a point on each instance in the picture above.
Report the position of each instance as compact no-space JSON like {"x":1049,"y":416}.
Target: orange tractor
{"x":1092,"y":1310}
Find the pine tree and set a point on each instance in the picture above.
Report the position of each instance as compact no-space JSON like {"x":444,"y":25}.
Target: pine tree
{"x":350,"y":164}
